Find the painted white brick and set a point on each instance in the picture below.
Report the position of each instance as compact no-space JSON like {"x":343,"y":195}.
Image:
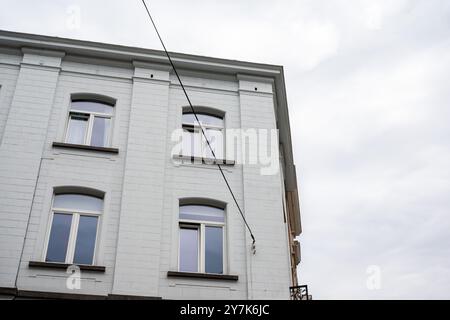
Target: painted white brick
{"x":138,"y":241}
{"x":20,"y":151}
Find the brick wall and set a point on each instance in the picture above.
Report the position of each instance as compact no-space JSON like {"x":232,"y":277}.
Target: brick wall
{"x":138,"y":240}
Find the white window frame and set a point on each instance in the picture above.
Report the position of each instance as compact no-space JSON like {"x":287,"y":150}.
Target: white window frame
{"x":201,"y":225}
{"x":91,"y":115}
{"x":73,"y":231}
{"x":197,"y":128}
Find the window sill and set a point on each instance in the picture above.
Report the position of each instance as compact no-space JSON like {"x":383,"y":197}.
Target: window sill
{"x":57,"y":265}
{"x":197,"y":275}
{"x":198,"y":160}
{"x":84,"y":147}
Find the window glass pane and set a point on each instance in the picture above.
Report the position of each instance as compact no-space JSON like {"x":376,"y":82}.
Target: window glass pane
{"x":201,"y":212}
{"x":192,"y":143}
{"x":187,"y":147}
{"x":77,"y":202}
{"x":188,"y":249}
{"x":76,"y":130}
{"x":215,"y":139}
{"x":59,"y":238}
{"x":92,"y":106}
{"x":100,"y":132}
{"x":205,"y":119}
{"x":213,"y":249}
{"x":85,"y":245}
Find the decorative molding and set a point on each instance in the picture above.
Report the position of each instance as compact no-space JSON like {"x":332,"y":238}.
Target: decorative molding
{"x":255,"y":85}
{"x":255,"y":93}
{"x":43,"y":52}
{"x":154,"y":66}
{"x":119,"y":52}
{"x":40,"y":67}
{"x":246,"y":77}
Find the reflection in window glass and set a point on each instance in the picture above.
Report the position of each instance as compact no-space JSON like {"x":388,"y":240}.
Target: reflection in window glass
{"x":85,"y":244}
{"x":100,"y":132}
{"x":205,"y":119}
{"x":77,"y":129}
{"x":92,"y":106}
{"x":77,"y":202}
{"x":202,"y":213}
{"x":189,"y":242}
{"x":213,"y":249}
{"x":59,"y":238}
{"x":192,"y":142}
{"x":215,"y":138}
{"x":188,"y":142}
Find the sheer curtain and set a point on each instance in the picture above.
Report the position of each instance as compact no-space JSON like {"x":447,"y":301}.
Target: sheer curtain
{"x":77,"y":130}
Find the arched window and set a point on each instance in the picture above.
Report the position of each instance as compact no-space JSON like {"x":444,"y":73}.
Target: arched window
{"x":202,"y":230}
{"x":73,"y":233}
{"x":194,"y":143}
{"x":90,"y":123}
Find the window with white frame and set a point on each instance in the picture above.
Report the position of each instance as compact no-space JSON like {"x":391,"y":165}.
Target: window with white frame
{"x":194,"y":142}
{"x":89,"y":123}
{"x":72,"y":237}
{"x":202,"y":245}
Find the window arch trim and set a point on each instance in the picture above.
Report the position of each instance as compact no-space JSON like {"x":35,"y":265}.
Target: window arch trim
{"x":87,"y":191}
{"x":214,"y":112}
{"x":202,"y":202}
{"x":94,"y":97}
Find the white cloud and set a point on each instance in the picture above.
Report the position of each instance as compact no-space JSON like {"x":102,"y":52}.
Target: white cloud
{"x":374,"y":12}
{"x":314,"y":41}
{"x":373,"y":16}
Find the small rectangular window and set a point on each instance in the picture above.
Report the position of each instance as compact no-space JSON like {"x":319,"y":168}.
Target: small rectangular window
{"x":213,"y":249}
{"x":59,"y":237}
{"x":189,"y":142}
{"x":215,"y":138}
{"x":73,"y":201}
{"x":100,"y":132}
{"x":201,"y":213}
{"x":76,"y":132}
{"x":85,"y":244}
{"x":189,"y":243}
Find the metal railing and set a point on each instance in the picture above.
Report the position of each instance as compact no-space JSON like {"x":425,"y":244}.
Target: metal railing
{"x":299,"y":293}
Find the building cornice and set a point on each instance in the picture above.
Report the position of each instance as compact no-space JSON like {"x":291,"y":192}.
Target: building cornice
{"x":48,"y":53}
{"x":127,"y":53}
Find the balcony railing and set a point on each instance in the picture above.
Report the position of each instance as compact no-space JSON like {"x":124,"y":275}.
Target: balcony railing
{"x":299,"y":293}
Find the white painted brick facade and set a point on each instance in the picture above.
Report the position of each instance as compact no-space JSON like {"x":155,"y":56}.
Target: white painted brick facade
{"x":138,"y":236}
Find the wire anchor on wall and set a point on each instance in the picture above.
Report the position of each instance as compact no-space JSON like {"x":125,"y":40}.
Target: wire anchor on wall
{"x":253,"y":247}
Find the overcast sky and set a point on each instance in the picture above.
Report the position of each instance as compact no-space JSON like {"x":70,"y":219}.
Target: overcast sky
{"x":368,"y":86}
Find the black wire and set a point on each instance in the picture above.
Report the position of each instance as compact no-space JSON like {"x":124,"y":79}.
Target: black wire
{"x":201,"y":127}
